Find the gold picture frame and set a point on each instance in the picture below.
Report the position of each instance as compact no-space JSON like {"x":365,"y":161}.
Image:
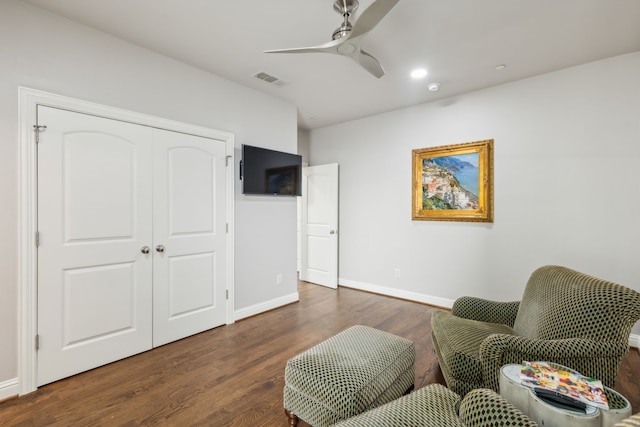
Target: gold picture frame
{"x":453,"y":182}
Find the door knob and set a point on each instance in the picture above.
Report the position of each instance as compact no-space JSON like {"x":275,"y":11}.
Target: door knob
{"x":160,"y":248}
{"x":332,"y":232}
{"x":145,"y":250}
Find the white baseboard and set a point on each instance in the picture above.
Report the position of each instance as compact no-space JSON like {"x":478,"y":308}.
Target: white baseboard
{"x":397,"y":293}
{"x":9,"y":389}
{"x":634,"y":340}
{"x":266,"y":306}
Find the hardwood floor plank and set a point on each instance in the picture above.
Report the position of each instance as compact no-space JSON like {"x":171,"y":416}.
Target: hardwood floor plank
{"x":234,"y":375}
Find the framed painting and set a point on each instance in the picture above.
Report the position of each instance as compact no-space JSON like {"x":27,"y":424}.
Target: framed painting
{"x":453,"y":182}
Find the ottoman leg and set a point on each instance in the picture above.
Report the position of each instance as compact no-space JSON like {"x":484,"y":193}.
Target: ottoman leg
{"x":293,"y":419}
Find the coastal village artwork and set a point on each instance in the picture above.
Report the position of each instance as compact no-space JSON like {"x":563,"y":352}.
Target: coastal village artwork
{"x":450,"y":182}
{"x":454,"y":182}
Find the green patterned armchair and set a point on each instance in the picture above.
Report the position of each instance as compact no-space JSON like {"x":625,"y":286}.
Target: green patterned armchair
{"x":437,"y":406}
{"x":632,"y":421}
{"x":564,"y":317}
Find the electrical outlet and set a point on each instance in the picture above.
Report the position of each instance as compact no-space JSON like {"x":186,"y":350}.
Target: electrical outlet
{"x":396,"y":273}
{"x":279,"y":279}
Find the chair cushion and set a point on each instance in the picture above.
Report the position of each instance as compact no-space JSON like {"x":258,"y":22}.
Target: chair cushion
{"x":459,"y":340}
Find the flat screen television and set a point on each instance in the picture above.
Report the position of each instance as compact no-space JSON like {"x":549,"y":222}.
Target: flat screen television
{"x":271,"y":172}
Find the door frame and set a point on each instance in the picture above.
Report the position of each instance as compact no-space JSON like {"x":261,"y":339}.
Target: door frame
{"x":29,"y":100}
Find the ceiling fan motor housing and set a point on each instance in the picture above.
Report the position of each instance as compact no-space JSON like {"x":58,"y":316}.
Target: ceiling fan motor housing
{"x":342,"y":31}
{"x":344,"y":8}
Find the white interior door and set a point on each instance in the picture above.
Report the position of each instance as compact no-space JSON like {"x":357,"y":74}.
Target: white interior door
{"x":189,"y":235}
{"x":94,"y":216}
{"x":319,"y":257}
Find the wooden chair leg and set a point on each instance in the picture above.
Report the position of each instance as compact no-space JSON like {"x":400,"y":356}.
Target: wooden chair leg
{"x":293,"y":419}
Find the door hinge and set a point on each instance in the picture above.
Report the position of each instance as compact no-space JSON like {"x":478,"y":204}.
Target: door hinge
{"x":37,"y":342}
{"x":226,"y":162}
{"x":227,"y":227}
{"x":37,"y":129}
{"x":227,"y":293}
{"x":37,"y":239}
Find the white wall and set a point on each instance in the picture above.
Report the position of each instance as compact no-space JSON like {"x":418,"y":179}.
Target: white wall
{"x":45,"y":52}
{"x":303,"y":144}
{"x":567,"y":150}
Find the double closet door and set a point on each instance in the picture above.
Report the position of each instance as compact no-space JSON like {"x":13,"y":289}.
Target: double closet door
{"x":132,"y":247}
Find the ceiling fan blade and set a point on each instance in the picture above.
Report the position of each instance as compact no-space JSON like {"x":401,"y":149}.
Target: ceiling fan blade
{"x":371,"y":17}
{"x":323,"y":48}
{"x":370,"y":64}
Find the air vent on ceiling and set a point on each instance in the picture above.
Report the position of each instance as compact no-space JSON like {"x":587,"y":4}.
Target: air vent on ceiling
{"x":268,"y":78}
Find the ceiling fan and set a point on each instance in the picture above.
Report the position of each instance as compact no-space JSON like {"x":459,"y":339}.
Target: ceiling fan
{"x":347,"y":38}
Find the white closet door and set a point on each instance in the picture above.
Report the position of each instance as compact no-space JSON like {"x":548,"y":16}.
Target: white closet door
{"x":94,"y":218}
{"x":189,"y":235}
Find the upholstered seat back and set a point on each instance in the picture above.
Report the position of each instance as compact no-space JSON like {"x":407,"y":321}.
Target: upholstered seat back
{"x":561,"y":303}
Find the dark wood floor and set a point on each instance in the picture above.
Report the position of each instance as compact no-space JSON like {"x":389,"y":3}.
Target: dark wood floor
{"x":234,"y":375}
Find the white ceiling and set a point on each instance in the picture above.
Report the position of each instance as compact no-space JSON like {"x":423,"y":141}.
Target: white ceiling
{"x":460,"y":42}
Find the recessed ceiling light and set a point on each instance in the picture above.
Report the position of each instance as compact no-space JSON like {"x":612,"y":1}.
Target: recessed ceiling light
{"x":434,"y":87}
{"x":419,"y":73}
{"x":500,"y":67}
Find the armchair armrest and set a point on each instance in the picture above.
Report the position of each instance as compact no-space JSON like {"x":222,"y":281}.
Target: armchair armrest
{"x":486,"y":311}
{"x":595,"y":359}
{"x":633,"y":420}
{"x":482,"y":407}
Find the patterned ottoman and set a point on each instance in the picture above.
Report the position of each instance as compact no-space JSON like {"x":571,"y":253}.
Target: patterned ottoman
{"x":356,"y":370}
